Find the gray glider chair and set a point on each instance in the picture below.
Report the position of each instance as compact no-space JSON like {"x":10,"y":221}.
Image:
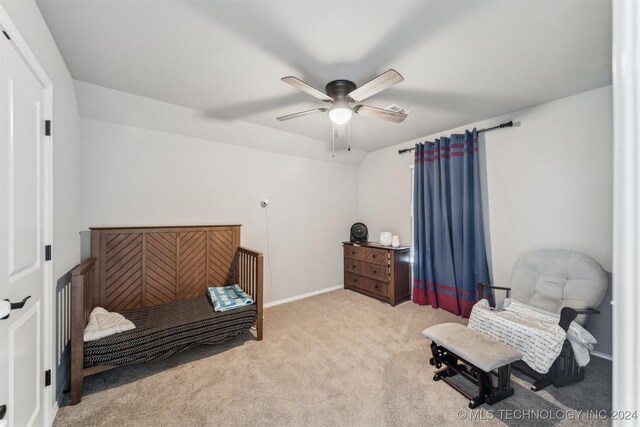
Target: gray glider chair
{"x":564,"y":282}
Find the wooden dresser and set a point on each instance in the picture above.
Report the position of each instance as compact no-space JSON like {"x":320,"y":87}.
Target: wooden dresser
{"x":377,"y":271}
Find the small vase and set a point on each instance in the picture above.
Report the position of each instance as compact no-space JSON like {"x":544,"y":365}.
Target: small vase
{"x":395,"y":241}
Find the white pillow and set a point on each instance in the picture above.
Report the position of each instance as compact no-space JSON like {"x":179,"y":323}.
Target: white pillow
{"x":103,"y":323}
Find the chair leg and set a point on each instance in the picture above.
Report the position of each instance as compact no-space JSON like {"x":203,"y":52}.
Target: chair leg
{"x":453,"y":366}
{"x":485,"y":389}
{"x":563,"y":372}
{"x":565,"y":368}
{"x":561,"y":382}
{"x":542,"y":383}
{"x":503,"y":389}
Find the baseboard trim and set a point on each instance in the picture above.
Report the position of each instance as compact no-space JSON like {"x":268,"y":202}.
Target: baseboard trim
{"x":58,"y":400}
{"x":60,"y":395}
{"x":602,"y":355}
{"x":54,"y":411}
{"x":302,"y":296}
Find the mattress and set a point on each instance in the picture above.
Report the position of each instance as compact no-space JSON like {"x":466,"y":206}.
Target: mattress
{"x":167,"y":329}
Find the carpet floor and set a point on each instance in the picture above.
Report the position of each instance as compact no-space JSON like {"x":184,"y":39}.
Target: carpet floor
{"x":338,"y":358}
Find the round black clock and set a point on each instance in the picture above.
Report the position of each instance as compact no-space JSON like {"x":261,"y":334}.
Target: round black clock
{"x":359,"y":233}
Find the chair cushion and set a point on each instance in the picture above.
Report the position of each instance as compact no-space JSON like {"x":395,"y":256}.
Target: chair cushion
{"x":474,"y":347}
{"x":551,"y":279}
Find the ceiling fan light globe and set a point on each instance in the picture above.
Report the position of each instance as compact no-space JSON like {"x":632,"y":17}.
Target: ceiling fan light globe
{"x":340,"y":115}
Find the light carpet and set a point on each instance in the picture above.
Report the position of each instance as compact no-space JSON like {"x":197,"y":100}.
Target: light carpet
{"x":338,"y":358}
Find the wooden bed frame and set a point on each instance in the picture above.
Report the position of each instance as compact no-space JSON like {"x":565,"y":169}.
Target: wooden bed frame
{"x":132,"y":267}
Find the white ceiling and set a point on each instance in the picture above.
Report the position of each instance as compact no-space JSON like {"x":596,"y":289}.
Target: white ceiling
{"x":462,"y":61}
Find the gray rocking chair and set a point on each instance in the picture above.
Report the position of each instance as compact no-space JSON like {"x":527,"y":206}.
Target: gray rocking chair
{"x":567,"y":283}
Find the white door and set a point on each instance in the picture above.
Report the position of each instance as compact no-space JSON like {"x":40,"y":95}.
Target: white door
{"x":24,"y":212}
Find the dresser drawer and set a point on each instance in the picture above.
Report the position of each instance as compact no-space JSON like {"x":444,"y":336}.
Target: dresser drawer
{"x":378,"y":256}
{"x":378,"y":288}
{"x":353,"y":266}
{"x":354,"y":281}
{"x":366,"y":284}
{"x":376,"y":271}
{"x":355,"y":252}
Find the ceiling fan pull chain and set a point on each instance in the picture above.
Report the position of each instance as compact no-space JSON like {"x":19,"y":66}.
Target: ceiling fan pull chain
{"x":349,"y":135}
{"x":333,"y":140}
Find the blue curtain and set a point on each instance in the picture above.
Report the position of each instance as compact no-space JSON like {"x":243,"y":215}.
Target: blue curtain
{"x":449,"y":252}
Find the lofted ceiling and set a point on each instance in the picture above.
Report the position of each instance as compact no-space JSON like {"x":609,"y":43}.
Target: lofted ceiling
{"x":462,"y":61}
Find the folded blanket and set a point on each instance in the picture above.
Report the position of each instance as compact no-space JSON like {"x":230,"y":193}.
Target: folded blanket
{"x":536,"y":334}
{"x":581,"y":340}
{"x":228,"y":297}
{"x":539,"y":344}
{"x":103,"y":323}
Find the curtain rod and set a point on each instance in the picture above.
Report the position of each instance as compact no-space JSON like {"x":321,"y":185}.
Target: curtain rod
{"x":500,"y":126}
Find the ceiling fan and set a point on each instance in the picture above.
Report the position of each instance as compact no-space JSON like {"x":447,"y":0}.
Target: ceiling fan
{"x":345,"y":97}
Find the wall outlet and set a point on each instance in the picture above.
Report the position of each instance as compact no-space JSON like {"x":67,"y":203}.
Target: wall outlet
{"x":264,"y":203}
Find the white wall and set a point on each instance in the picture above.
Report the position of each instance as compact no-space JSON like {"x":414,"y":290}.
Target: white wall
{"x":549,"y":184}
{"x":66,"y":150}
{"x":134,"y":176}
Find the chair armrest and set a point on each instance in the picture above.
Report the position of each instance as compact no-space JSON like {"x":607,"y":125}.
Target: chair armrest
{"x":481,"y":287}
{"x":567,"y":315}
{"x":588,"y":311}
{"x":498,"y":287}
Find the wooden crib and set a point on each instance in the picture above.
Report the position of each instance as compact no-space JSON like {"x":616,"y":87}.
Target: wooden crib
{"x":136,"y":267}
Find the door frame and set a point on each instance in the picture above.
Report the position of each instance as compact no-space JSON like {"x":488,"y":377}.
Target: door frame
{"x":32,"y":62}
{"x":626,"y":207}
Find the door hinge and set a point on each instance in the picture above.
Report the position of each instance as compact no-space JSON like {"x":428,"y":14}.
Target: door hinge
{"x":47,"y":253}
{"x":47,"y":127}
{"x":47,"y":378}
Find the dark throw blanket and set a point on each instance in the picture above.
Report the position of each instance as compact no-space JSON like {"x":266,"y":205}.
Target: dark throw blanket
{"x":164,"y":330}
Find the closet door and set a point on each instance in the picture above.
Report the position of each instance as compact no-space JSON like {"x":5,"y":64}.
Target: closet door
{"x":25,"y":215}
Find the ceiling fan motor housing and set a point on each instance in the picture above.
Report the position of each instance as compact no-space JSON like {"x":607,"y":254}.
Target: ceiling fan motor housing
{"x":339,"y":89}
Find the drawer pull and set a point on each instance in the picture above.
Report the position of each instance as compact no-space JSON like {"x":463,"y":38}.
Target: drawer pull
{"x":355,"y":280}
{"x":373,"y":256}
{"x":375,"y":271}
{"x":353,"y":252}
{"x":354,"y":266}
{"x":377,"y":285}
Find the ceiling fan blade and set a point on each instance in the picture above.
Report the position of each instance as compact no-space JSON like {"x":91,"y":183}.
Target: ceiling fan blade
{"x":301,"y":113}
{"x":300,"y":85}
{"x":379,"y":113}
{"x":380,"y":83}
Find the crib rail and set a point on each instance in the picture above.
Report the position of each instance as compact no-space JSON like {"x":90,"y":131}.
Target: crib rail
{"x":63,"y":319}
{"x":83,"y":297}
{"x":249,"y":276}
